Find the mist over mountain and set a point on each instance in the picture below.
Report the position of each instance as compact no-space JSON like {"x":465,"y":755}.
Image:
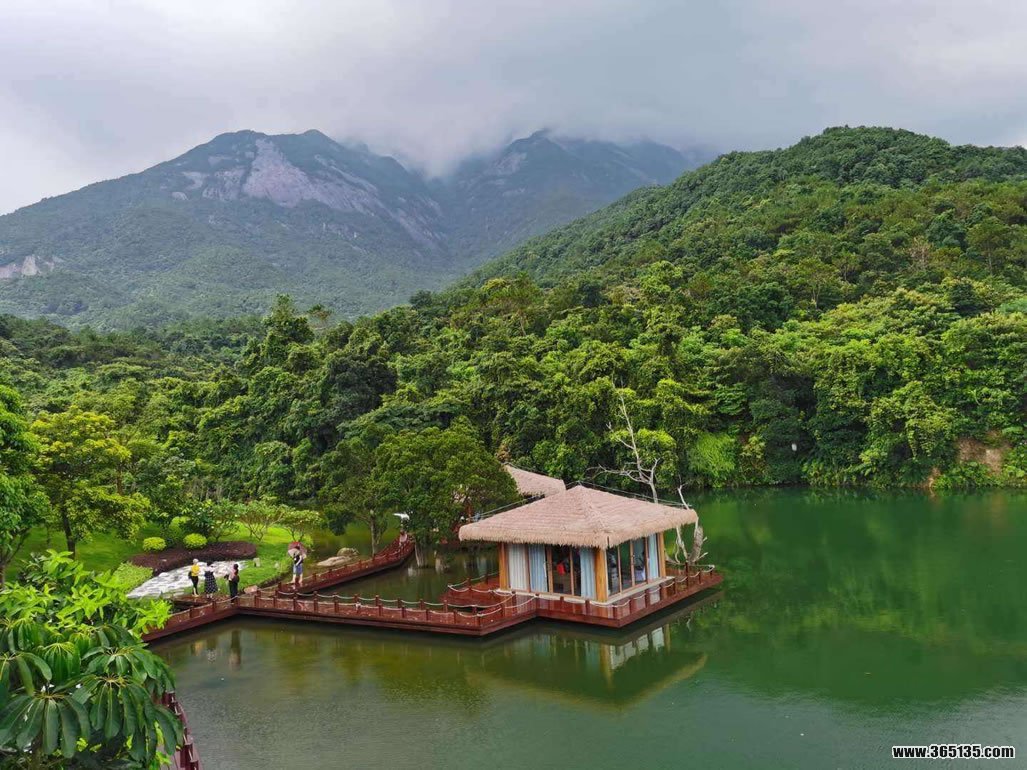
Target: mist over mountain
{"x":225,"y":227}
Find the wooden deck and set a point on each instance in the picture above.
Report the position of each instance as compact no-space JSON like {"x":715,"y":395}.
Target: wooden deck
{"x":486,"y":614}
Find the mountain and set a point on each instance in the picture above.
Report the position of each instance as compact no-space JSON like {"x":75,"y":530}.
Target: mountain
{"x":736,"y":185}
{"x":851,"y":310}
{"x":542,"y":181}
{"x":222,"y":229}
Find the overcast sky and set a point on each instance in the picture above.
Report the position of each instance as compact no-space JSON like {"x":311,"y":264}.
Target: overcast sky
{"x":94,"y":90}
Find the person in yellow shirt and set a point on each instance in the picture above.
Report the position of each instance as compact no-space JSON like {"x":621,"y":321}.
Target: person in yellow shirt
{"x":194,"y":576}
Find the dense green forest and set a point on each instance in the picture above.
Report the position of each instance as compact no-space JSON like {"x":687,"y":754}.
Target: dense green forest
{"x":849,"y":311}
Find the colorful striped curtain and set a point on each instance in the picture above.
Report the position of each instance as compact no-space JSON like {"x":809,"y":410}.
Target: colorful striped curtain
{"x":653,"y":568}
{"x":537,"y":568}
{"x":588,"y":573}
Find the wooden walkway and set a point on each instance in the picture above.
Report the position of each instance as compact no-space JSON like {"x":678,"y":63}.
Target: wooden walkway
{"x":480,"y":617}
{"x":394,"y":554}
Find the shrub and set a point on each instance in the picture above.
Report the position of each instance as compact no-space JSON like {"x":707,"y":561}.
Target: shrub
{"x":154,"y":544}
{"x":968,"y":475}
{"x":176,"y":530}
{"x":210,"y":518}
{"x":194,"y":541}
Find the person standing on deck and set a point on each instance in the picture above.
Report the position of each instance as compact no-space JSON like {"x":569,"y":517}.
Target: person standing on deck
{"x":297,"y":567}
{"x":194,"y":576}
{"x":210,"y":583}
{"x":233,"y":581}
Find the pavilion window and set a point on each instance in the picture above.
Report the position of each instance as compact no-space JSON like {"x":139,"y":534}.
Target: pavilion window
{"x":624,"y":563}
{"x":629,"y":564}
{"x":638,"y":566}
{"x":613,"y":570}
{"x":565,"y":569}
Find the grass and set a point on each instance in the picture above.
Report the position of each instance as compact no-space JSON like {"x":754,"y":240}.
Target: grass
{"x":101,"y":553}
{"x":105,"y":552}
{"x":128,"y":576}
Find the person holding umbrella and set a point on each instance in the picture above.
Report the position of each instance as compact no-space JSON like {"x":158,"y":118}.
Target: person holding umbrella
{"x":297,"y":552}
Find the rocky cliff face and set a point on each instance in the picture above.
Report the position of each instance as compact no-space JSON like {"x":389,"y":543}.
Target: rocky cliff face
{"x":223,"y":228}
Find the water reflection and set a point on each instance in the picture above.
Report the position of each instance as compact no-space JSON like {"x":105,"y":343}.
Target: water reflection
{"x":600,"y":668}
{"x":872,"y":619}
{"x":594,"y":667}
{"x":446,"y":567}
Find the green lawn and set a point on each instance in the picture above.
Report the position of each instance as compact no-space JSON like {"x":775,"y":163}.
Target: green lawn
{"x":105,"y":552}
{"x":100,"y":553}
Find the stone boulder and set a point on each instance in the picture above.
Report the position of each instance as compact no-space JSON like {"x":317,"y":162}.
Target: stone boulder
{"x":344,"y":557}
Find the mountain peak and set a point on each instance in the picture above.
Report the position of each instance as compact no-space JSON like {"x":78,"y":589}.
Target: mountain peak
{"x":248,"y":215}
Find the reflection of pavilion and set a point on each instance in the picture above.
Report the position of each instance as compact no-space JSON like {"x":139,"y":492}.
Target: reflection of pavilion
{"x":602,"y":668}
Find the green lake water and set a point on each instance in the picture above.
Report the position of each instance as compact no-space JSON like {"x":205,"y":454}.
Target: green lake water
{"x":847,"y":623}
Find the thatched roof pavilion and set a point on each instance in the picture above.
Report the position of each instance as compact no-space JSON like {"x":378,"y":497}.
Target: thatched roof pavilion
{"x":531,"y":484}
{"x":581,"y":541}
{"x":580,"y":516}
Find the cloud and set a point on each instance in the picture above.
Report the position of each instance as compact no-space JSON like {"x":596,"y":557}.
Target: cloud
{"x":93,"y":90}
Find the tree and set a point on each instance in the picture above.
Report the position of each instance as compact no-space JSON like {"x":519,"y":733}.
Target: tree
{"x":643,"y":451}
{"x":433,"y":475}
{"x":479,"y":480}
{"x":300,"y":521}
{"x":990,"y":238}
{"x":258,"y":516}
{"x":80,"y":467}
{"x":22,"y":502}
{"x":346,"y":488}
{"x":78,"y":689}
{"x":210,"y":518}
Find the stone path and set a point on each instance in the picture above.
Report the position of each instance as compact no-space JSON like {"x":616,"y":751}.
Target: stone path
{"x":176,"y":581}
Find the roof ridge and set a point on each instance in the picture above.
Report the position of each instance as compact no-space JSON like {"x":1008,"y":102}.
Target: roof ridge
{"x":593,"y":514}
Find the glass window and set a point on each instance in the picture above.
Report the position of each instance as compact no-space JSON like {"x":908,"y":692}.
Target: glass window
{"x":562,"y":569}
{"x":624,"y":557}
{"x":612,"y":571}
{"x":638,"y":563}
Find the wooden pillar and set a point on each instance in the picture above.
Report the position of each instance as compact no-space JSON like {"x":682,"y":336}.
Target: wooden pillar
{"x":602,"y":577}
{"x":504,"y":570}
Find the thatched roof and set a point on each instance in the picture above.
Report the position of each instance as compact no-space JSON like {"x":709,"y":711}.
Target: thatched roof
{"x":531,"y":484}
{"x":581,"y":517}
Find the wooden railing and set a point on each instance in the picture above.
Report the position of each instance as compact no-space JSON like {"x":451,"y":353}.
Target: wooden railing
{"x":185,"y":757}
{"x":394,"y":554}
{"x":420,"y":614}
{"x":478,"y":611}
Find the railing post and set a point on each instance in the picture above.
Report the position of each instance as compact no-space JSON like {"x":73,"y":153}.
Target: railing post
{"x":378,"y":604}
{"x":445,"y":607}
{"x":402,"y":608}
{"x":588,"y":606}
{"x":315,"y":603}
{"x":335,"y":605}
{"x":295,"y":603}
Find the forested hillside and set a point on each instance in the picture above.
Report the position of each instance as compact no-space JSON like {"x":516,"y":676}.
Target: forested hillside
{"x":851,"y":310}
{"x":220,"y":230}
